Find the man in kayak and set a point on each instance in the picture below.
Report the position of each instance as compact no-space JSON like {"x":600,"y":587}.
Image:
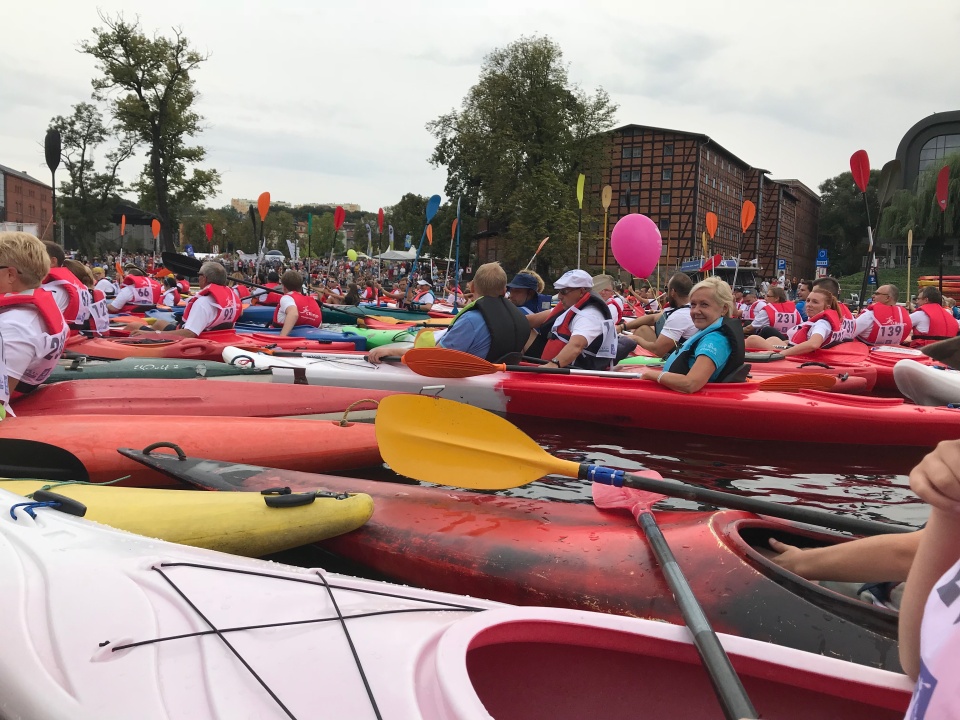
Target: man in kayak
{"x":848,"y":324}
{"x":490,"y":328}
{"x":579,"y":331}
{"x":884,"y":322}
{"x":138,"y":292}
{"x":32,"y":328}
{"x":820,"y":331}
{"x":715,"y":353}
{"x":525,"y":291}
{"x":260,"y":296}
{"x":424,"y":298}
{"x":931,"y":321}
{"x":295,"y":308}
{"x":803,"y":289}
{"x":749,"y":304}
{"x":777,"y":316}
{"x":662,"y":333}
{"x":214,"y":307}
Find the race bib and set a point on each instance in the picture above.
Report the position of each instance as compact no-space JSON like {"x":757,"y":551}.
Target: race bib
{"x":142,"y":295}
{"x":99,"y":316}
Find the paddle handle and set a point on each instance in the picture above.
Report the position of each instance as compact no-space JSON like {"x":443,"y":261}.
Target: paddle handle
{"x":570,"y":371}
{"x":794,"y":513}
{"x":726,"y":684}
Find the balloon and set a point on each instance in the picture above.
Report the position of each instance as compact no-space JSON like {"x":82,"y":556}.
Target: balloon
{"x":636,"y":244}
{"x":352,"y":254}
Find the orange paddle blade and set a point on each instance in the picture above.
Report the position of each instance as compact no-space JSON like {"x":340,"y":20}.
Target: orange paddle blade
{"x":747,"y":213}
{"x":441,"y":363}
{"x":453,"y":229}
{"x":712,"y":221}
{"x":155,"y":226}
{"x":797,"y":382}
{"x":430,"y":233}
{"x":123,"y":224}
{"x":263,"y":205}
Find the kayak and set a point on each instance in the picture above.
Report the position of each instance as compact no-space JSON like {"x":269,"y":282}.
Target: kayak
{"x":303,"y":332}
{"x":83,"y":369}
{"x":928,"y":384}
{"x":341,"y":314}
{"x":624,"y":400}
{"x":209,"y":347}
{"x":104,"y":624}
{"x":387,"y":336}
{"x":855,"y":378}
{"x":538,"y":552}
{"x":293,"y":444}
{"x":375,"y":323}
{"x":238,"y":523}
{"x":882,"y":357}
{"x":201,"y":398}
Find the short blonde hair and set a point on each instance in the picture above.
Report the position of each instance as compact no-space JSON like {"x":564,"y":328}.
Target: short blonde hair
{"x":27,"y":254}
{"x":721,"y":292}
{"x":603,"y":282}
{"x":98,"y":272}
{"x":490,"y":279}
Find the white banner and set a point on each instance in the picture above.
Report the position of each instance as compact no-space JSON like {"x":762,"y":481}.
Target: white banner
{"x":292,"y":247}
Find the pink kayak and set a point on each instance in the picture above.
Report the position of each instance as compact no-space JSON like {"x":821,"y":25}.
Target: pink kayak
{"x":104,"y":624}
{"x":194,"y":397}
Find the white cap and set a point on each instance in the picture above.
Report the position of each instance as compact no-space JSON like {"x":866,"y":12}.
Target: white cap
{"x":421,"y":281}
{"x":574,"y":279}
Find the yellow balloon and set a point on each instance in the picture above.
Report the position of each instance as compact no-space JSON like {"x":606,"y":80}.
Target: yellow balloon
{"x":352,"y":254}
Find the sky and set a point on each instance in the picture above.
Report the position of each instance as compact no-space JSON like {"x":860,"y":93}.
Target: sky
{"x":327,"y":102}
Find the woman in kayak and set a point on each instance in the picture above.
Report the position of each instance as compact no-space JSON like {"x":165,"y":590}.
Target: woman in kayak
{"x":820,"y":331}
{"x":715,"y":353}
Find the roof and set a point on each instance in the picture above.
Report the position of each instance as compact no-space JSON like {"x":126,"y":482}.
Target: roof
{"x":23,"y":176}
{"x":706,"y":139}
{"x":793,"y":182}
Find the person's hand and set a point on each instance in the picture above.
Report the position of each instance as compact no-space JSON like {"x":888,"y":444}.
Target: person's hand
{"x":376,"y":355}
{"x":936,"y":480}
{"x":789,"y":557}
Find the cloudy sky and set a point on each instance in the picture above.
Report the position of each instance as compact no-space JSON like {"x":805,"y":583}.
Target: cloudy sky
{"x":321,"y":101}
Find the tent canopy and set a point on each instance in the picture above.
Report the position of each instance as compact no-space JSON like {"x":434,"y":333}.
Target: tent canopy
{"x":409,"y":255}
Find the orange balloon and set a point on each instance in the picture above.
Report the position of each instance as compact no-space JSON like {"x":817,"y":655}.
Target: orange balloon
{"x":712,"y":221}
{"x":430,"y":234}
{"x":155,"y":226}
{"x":263,"y":205}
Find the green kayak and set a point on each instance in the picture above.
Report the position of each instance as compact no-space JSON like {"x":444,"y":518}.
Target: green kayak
{"x":376,"y":338}
{"x":640,"y":360}
{"x":151,"y":368}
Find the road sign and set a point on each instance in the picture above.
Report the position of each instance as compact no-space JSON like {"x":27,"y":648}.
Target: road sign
{"x":781,"y":264}
{"x":821,"y":263}
{"x":821,"y":255}
{"x":821,"y":271}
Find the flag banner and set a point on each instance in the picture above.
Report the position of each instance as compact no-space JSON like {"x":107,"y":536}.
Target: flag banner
{"x":408,"y":241}
{"x":189,"y":250}
{"x":292,"y":247}
{"x":390,"y":235}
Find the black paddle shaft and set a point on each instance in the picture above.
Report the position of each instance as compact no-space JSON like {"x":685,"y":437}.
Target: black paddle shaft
{"x":795,"y":513}
{"x":726,"y":683}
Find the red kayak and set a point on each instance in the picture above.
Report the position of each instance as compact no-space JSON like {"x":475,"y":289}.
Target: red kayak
{"x":539,"y":552}
{"x":882,"y":357}
{"x":199,"y":397}
{"x":309,"y":445}
{"x":117,"y":348}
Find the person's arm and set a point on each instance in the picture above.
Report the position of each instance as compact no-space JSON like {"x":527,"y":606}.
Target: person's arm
{"x":880,"y":558}
{"x":937,"y":481}
{"x":571,"y":351}
{"x":289,"y":321}
{"x":377,"y":355}
{"x":809,"y":345}
{"x":641,"y":321}
{"x":662,"y":346}
{"x":538,"y":318}
{"x":693,"y":381}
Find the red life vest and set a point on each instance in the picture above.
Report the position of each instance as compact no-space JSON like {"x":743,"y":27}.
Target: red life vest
{"x":55,"y":335}
{"x":184,"y":286}
{"x":242,"y":291}
{"x":271,"y":298}
{"x":227,"y":303}
{"x":308,"y":311}
{"x":416,"y":298}
{"x":891,"y":325}
{"x":782,"y":316}
{"x":801,"y":332}
{"x":749,"y":312}
{"x":78,"y":305}
{"x":848,"y":327}
{"x":942,"y":326}
{"x":145,"y":291}
{"x":560,"y":334}
{"x":616,"y":309}
{"x":176,"y":295}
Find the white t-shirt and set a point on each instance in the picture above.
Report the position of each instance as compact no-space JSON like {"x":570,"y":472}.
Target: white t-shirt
{"x":26,"y":344}
{"x":169,"y":297}
{"x":427,"y":299}
{"x":587,"y":323}
{"x":760,"y":320}
{"x":821,"y":327}
{"x":59,"y":294}
{"x":286,"y":302}
{"x":124,"y":297}
{"x":679,"y":326}
{"x":106,"y":287}
{"x":203,"y":313}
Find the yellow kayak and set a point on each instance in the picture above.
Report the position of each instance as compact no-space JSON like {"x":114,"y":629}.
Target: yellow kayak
{"x":238,"y":523}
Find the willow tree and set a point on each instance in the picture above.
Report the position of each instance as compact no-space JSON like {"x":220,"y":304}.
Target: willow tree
{"x":515,"y":147}
{"x":149,"y":83}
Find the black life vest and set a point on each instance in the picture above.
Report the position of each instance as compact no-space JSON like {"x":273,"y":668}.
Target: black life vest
{"x":509,"y":329}
{"x":733,"y":369}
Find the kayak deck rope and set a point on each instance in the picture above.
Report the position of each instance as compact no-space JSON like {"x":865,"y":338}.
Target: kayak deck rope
{"x":338,"y":616}
{"x":346,"y":413}
{"x":50,"y":486}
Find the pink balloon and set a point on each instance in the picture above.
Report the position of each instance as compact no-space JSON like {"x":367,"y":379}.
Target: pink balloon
{"x":636,"y":244}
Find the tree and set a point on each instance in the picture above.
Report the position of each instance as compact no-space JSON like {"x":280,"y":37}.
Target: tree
{"x":150,"y":84}
{"x":514,"y":149}
{"x":843,"y":221}
{"x":87,"y":197}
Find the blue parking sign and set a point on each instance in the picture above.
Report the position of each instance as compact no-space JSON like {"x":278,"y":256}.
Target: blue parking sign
{"x":781,"y":264}
{"x":821,"y":255}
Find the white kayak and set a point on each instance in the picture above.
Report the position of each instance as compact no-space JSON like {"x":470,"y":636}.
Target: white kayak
{"x":349,"y":370}
{"x":100,"y":624}
{"x":927,"y":384}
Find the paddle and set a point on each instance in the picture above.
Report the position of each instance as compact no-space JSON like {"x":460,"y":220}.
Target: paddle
{"x":909,"y":259}
{"x":448,"y":443}
{"x":860,"y":169}
{"x":443,"y":363}
{"x":39,"y":460}
{"x":539,"y":248}
{"x":726,"y":684}
{"x":606,"y":195}
{"x":943,"y":185}
{"x":580,"y":180}
{"x":945,"y":351}
{"x":748,"y":211}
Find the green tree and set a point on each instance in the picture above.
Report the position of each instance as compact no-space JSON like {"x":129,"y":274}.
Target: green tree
{"x":149,"y":82}
{"x":87,"y":197}
{"x":843,"y":221}
{"x":514,"y":149}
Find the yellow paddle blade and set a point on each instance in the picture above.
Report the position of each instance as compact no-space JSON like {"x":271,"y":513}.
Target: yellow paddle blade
{"x":442,"y":363}
{"x":425,"y":339}
{"x":797,"y":382}
{"x":388,"y":320}
{"x":449,"y":443}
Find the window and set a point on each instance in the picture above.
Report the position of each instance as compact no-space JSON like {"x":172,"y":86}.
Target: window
{"x":626,"y":152}
{"x":668,"y":148}
{"x":667,"y":174}
{"x":664,"y":223}
{"x":625,"y":200}
{"x":638,"y":152}
{"x":938,"y":148}
{"x":721,"y":186}
{"x":665,"y":198}
{"x":625,"y":176}
{"x":635,"y":176}
{"x":708,"y":156}
{"x":714,"y":182}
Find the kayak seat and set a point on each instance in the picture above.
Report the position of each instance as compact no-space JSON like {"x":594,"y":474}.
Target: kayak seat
{"x":738,"y":375}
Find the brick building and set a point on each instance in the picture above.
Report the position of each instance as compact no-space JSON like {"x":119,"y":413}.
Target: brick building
{"x":24,"y":200}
